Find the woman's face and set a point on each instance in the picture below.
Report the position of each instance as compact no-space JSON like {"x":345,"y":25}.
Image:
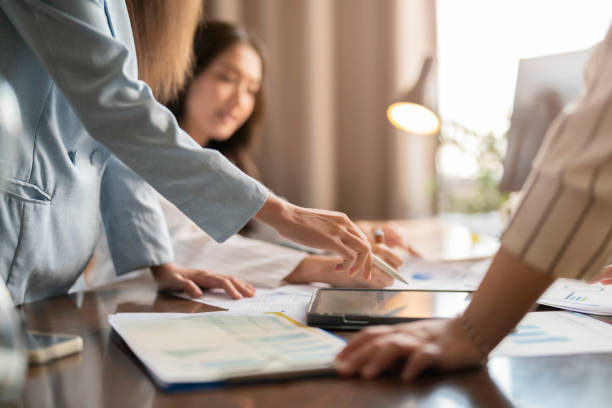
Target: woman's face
{"x":222,"y":97}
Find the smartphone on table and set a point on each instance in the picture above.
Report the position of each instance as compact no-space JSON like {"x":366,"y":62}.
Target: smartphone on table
{"x":45,"y":347}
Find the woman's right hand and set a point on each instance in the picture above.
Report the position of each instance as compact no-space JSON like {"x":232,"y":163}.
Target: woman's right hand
{"x":328,"y":230}
{"x":440,"y":344}
{"x":320,"y":268}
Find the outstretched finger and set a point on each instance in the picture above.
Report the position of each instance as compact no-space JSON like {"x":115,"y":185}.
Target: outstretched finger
{"x":419,"y":361}
{"x":360,"y":244}
{"x":361,"y":253}
{"x":364,"y":336}
{"x":185,"y":285}
{"x":348,"y":257}
{"x":413,"y":251}
{"x":245,"y":289}
{"x":391,"y":350}
{"x":353,"y":362}
{"x":228,"y":286}
{"x":395,"y":239}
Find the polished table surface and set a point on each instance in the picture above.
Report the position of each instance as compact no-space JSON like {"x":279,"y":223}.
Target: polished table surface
{"x":107,"y":374}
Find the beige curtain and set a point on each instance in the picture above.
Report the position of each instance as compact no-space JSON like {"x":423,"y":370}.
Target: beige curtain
{"x":333,"y":67}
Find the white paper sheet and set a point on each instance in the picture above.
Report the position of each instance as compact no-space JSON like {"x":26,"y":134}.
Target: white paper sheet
{"x":427,"y":275}
{"x":217,"y":346}
{"x":579,"y":296}
{"x":290,"y":299}
{"x":556,"y":333}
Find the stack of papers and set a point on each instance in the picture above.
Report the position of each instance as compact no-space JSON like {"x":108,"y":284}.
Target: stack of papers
{"x":191,"y":350}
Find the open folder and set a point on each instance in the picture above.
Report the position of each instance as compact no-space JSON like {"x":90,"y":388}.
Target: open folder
{"x":183,"y":351}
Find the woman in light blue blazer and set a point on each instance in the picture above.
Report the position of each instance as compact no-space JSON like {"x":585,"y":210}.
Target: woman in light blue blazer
{"x":91,"y":131}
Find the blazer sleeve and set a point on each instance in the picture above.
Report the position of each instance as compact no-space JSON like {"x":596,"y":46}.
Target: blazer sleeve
{"x":73,"y":40}
{"x":563,"y":225}
{"x":133,"y":221}
{"x":263,"y":264}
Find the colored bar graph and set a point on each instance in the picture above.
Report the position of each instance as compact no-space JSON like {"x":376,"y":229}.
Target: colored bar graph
{"x":572,"y":297}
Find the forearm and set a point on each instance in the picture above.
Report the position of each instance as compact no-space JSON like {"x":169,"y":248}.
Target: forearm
{"x":508,"y":291}
{"x":98,"y":77}
{"x":272,"y":211}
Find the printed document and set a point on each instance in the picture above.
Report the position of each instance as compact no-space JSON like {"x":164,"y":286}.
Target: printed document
{"x":556,"y":333}
{"x":185,"y":350}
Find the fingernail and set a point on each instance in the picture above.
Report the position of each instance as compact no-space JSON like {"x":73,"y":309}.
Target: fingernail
{"x":342,"y":367}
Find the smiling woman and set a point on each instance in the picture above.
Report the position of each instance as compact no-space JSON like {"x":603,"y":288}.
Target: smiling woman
{"x":232,"y":81}
{"x":222,"y":106}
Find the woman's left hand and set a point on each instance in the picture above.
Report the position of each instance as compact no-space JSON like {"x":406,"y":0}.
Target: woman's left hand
{"x":175,"y":278}
{"x":426,"y":344}
{"x":392,"y":235}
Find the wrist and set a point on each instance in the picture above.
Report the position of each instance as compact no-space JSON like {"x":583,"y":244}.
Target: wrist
{"x":162,"y":268}
{"x":474,"y":336}
{"x":273,"y":211}
{"x":313,"y":268}
{"x":301,"y":273}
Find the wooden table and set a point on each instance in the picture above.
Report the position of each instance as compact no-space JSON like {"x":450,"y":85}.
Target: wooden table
{"x":107,"y":374}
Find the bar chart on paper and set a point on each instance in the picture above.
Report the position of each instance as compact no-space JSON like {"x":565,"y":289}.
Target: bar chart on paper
{"x":555,"y":333}
{"x":579,"y":296}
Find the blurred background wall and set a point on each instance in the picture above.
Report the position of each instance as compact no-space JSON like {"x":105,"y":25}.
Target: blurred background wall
{"x":333,"y":68}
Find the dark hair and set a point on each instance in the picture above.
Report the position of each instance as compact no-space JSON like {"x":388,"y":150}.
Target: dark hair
{"x":211,"y":40}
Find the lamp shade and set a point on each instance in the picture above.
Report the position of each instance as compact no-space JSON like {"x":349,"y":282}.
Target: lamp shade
{"x":413,"y":118}
{"x":414,"y":112}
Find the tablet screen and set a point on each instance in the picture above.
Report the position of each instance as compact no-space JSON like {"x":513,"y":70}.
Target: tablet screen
{"x":390,"y":303}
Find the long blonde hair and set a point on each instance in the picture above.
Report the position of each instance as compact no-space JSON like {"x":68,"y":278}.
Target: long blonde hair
{"x":163,"y":34}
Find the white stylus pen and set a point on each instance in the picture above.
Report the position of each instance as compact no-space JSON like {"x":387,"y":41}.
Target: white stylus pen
{"x":389,"y":270}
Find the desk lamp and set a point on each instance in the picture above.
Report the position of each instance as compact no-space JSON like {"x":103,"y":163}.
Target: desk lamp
{"x":413,"y":118}
{"x":411,"y":115}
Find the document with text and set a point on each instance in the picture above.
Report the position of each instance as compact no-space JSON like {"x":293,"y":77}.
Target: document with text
{"x":190,"y":350}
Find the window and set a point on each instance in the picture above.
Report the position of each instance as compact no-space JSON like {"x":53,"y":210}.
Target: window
{"x":479,"y":45}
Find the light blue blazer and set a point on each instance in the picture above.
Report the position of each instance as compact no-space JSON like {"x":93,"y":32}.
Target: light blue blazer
{"x":73,"y":68}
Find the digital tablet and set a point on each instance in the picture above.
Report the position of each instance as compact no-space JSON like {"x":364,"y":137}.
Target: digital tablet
{"x":352,"y":309}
